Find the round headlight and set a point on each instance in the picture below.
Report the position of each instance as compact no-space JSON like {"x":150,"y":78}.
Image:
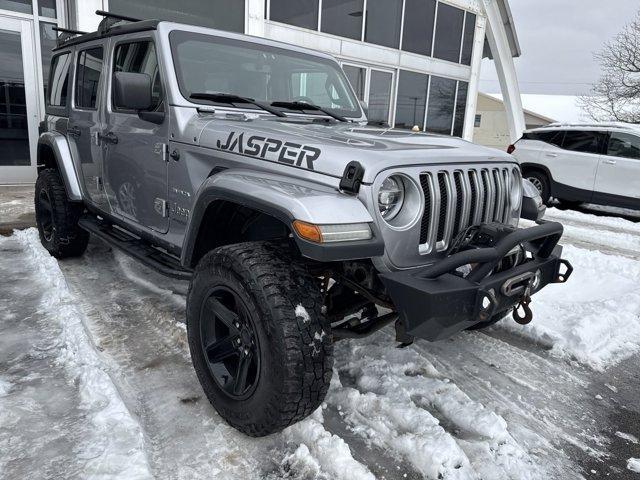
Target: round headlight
{"x":391,"y":197}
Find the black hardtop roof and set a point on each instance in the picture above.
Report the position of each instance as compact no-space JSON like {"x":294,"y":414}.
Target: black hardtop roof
{"x":133,"y":27}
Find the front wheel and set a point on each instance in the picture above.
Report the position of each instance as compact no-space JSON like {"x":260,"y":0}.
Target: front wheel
{"x":259,"y":343}
{"x":57,"y":217}
{"x":542,"y":184}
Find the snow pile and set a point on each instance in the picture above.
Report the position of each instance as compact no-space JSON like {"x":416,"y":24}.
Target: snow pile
{"x":4,"y":387}
{"x":627,"y":437}
{"x":117,"y":446}
{"x":400,"y":403}
{"x":633,"y":464}
{"x":595,"y":317}
{"x":320,"y":450}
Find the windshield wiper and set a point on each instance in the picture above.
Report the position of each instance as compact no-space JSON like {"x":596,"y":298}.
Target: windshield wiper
{"x":231,"y":99}
{"x":301,"y":106}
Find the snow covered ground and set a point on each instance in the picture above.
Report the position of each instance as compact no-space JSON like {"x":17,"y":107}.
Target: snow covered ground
{"x":96,"y":381}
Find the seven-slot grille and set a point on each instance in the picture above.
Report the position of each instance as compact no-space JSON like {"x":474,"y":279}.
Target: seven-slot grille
{"x":457,"y":199}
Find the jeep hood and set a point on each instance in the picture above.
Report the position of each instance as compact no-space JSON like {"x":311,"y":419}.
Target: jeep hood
{"x":328,"y":147}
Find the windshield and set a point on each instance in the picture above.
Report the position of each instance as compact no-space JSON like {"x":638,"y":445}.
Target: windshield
{"x":209,"y":64}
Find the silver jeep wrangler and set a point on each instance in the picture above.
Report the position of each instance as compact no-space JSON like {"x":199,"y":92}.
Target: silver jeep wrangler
{"x":247,"y":167}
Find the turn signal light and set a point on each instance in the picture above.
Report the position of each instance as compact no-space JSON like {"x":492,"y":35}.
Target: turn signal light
{"x":348,"y":232}
{"x":308,"y":231}
{"x":511,"y":149}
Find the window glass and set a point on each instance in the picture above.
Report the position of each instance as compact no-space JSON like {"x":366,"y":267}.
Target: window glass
{"x":48,"y":38}
{"x":552,"y":137}
{"x":140,"y":57}
{"x":624,"y":145}
{"x":222,"y":14}
{"x":356,"y":76}
{"x":478,"y":121}
{"x":47,"y":8}
{"x":383,"y":22}
{"x":583,"y":141}
{"x":467,"y":40}
{"x":417,"y":36}
{"x":209,"y":64}
{"x":300,"y":13}
{"x":412,"y":97}
{"x":59,"y":82}
{"x":461,"y":107}
{"x":442,"y":95}
{"x":448,"y":33}
{"x":88,"y":77}
{"x":380,"y":96}
{"x":22,"y":6}
{"x":343,"y":17}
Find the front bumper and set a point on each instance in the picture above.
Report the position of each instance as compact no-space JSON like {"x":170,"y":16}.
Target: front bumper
{"x":435,"y":302}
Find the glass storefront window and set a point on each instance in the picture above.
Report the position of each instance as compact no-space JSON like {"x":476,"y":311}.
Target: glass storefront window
{"x":383,"y":22}
{"x":412,"y":97}
{"x":442,"y":98}
{"x":221,"y":14}
{"x":356,"y":76}
{"x":299,"y":13}
{"x":467,"y":41}
{"x":380,"y":96}
{"x":448,"y":33}
{"x":48,"y":38}
{"x":22,"y":6}
{"x":343,"y":18}
{"x":47,"y":8}
{"x":419,"y":17}
{"x":461,"y":106}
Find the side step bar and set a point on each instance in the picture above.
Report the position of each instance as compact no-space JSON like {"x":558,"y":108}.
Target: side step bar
{"x":136,"y":247}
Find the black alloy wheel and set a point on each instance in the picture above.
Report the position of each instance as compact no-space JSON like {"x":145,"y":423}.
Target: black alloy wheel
{"x":45,"y":214}
{"x":229,"y":343}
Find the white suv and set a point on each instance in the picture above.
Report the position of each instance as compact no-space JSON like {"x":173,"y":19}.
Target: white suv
{"x":575,"y":163}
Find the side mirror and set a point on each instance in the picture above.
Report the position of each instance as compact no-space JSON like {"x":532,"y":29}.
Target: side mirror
{"x":132,"y":91}
{"x":533,"y":207}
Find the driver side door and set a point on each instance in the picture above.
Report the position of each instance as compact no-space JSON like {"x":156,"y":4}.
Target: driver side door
{"x":136,"y":149}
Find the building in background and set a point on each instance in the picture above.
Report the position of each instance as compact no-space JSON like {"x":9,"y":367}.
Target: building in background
{"x":414,"y":62}
{"x":491,"y":127}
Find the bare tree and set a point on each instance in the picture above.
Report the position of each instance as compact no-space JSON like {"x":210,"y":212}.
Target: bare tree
{"x":616,"y":96}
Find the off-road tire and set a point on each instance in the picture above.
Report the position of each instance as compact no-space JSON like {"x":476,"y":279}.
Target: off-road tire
{"x":295,"y":349}
{"x":541,"y":179}
{"x":58,"y":228}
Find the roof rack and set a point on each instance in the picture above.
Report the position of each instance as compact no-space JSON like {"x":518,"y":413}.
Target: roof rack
{"x":111,"y":19}
{"x":65,"y":35}
{"x":621,"y":125}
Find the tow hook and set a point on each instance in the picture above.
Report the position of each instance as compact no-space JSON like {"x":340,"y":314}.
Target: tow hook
{"x":524,"y":319}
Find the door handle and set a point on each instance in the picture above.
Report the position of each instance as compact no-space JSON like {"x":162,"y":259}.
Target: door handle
{"x":74,"y":131}
{"x":610,"y":162}
{"x":110,"y":138}
{"x":552,"y":155}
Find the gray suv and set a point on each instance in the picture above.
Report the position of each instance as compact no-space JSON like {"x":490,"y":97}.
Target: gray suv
{"x":247,"y":167}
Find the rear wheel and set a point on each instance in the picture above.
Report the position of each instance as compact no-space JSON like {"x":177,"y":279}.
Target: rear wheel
{"x":57,"y":217}
{"x":259,"y":343}
{"x":542,"y":184}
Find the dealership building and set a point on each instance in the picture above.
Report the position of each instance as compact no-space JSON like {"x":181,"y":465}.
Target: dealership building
{"x":414,"y":62}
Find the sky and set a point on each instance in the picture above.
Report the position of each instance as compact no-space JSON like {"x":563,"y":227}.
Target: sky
{"x":558,"y":39}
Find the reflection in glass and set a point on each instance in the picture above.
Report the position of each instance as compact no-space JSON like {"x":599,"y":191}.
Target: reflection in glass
{"x":461,"y":106}
{"x":467,"y":42}
{"x":412,"y":96}
{"x":356,"y":77}
{"x":22,"y":6}
{"x":222,"y":14}
{"x":383,"y":22}
{"x":47,"y":43}
{"x":379,"y":96}
{"x":343,"y":17}
{"x":88,"y":77}
{"x":448,"y":33}
{"x":300,"y":13}
{"x":47,"y":8}
{"x":417,"y":35}
{"x":59,"y":80}
{"x":14,"y":128}
{"x":441,"y":105}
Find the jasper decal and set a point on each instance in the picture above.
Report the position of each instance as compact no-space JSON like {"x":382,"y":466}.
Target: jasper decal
{"x":271,"y":149}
